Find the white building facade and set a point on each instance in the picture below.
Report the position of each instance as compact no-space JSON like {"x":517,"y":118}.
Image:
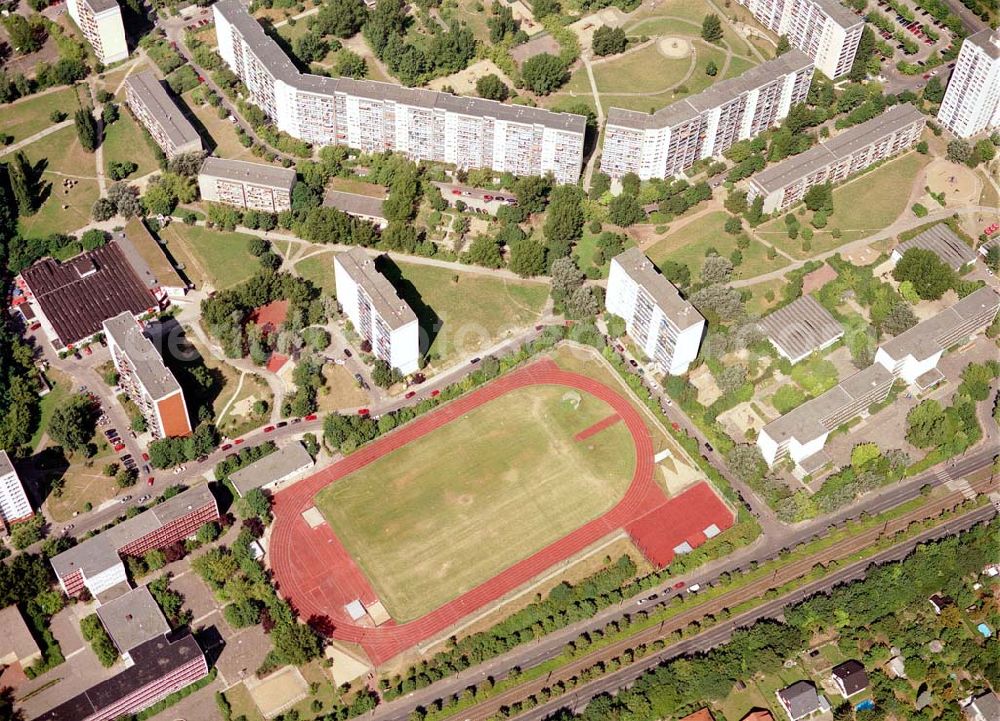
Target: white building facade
{"x":971,"y":103}
{"x":14,"y":504}
{"x":246,"y":185}
{"x":374,"y":117}
{"x":665,"y":143}
{"x":100,"y":21}
{"x":664,"y":325}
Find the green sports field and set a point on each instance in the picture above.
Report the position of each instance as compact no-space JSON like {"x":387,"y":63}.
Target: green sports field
{"x":455,"y":507}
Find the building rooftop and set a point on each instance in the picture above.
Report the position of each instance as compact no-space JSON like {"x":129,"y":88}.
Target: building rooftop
{"x":361,"y":268}
{"x":641,"y":270}
{"x":717,"y":94}
{"x":852,"y":674}
{"x":840,"y":146}
{"x":801,"y":327}
{"x":5,"y":465}
{"x":147,"y":257}
{"x":988,"y":705}
{"x":163,"y":107}
{"x":99,"y":6}
{"x":132,"y":619}
{"x":16,"y":641}
{"x":278,"y":64}
{"x":924,"y":339}
{"x":987,"y":40}
{"x":839,"y":13}
{"x":943,"y":242}
{"x":152,"y":660}
{"x":76,"y":296}
{"x":146,"y":361}
{"x":272,"y":467}
{"x":354,"y":204}
{"x":254,"y":173}
{"x":99,"y":553}
{"x":801,"y":699}
{"x":702,"y":714}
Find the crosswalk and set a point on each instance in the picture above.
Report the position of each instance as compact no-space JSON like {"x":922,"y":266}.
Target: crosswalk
{"x":957,"y":484}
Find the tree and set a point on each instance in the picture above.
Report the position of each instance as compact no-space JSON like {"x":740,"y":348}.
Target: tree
{"x":733,"y":225}
{"x":532,"y":193}
{"x":564,"y":220}
{"x":783,"y":46}
{"x":716,"y":269}
{"x":27,"y":533}
{"x":527,"y":257}
{"x":925,"y":424}
{"x":746,"y":462}
{"x":862,"y":56}
{"x":72,"y":422}
{"x":624,"y":210}
{"x":19,"y":175}
{"x":492,"y":87}
{"x":255,"y":504}
{"x":311,"y":47}
{"x":109,"y":114}
{"x":983,"y":152}
{"x":542,"y":8}
{"x":208,"y":532}
{"x":959,"y":151}
{"x":350,"y":65}
{"x":819,"y":197}
{"x":501,"y":23}
{"x":711,"y":28}
{"x":86,"y":129}
{"x":26,"y":36}
{"x":543,"y":73}
{"x":295,"y":643}
{"x":934,"y":90}
{"x":121,"y":169}
{"x":930,"y":276}
{"x":485,"y":251}
{"x":609,"y":41}
{"x":384,"y":375}
{"x":340,"y":18}
{"x":898,"y":319}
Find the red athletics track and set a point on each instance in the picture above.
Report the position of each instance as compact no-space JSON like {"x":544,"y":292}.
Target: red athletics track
{"x":318,"y":576}
{"x":597,"y":427}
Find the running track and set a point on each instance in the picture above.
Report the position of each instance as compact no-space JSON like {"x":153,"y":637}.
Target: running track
{"x":317,"y":575}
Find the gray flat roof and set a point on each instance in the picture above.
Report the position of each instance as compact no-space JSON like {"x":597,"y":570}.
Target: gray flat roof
{"x":988,"y":40}
{"x":943,"y":242}
{"x":840,"y":146}
{"x":5,"y":465}
{"x":132,"y":619}
{"x":666,"y":296}
{"x":99,"y":553}
{"x":99,"y":6}
{"x":361,"y":267}
{"x":146,"y":360}
{"x":278,"y":64}
{"x":15,"y":638}
{"x":840,"y":13}
{"x":354,"y":203}
{"x":717,"y":94}
{"x":801,"y":327}
{"x":272,"y":467}
{"x":924,"y":339}
{"x":163,"y":107}
{"x":244,"y":172}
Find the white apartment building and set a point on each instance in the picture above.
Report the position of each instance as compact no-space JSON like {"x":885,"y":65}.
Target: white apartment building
{"x":374,"y":117}
{"x":14,"y":505}
{"x":657,"y":318}
{"x":159,"y":114}
{"x":825,"y":30}
{"x":378,"y":314}
{"x":972,"y":102}
{"x":664,"y":143}
{"x":100,"y":21}
{"x":849,"y":152}
{"x":145,"y":379}
{"x":246,"y":185}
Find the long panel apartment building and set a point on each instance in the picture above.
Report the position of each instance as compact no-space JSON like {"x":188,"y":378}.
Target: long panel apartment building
{"x":825,"y":30}
{"x":971,"y":103}
{"x":666,"y":142}
{"x":100,"y":21}
{"x":849,"y":152}
{"x":145,"y":378}
{"x":14,"y":504}
{"x":379,"y":315}
{"x":657,"y":318}
{"x":159,"y":114}
{"x":254,"y":186}
{"x":375,"y":117}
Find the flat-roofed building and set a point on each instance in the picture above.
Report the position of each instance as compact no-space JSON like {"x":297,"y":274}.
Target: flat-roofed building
{"x":971,"y":104}
{"x":834,"y":160}
{"x":14,"y":504}
{"x":365,"y":207}
{"x":273,"y":470}
{"x":146,"y":379}
{"x":17,"y":645}
{"x":132,"y":619}
{"x":150,"y":262}
{"x":825,"y":30}
{"x":943,"y":242}
{"x":801,"y":328}
{"x":913,"y":355}
{"x":160,"y":115}
{"x":666,"y":142}
{"x":379,"y":315}
{"x":100,"y":21}
{"x":375,"y":117}
{"x":95,"y":563}
{"x":666,"y":327}
{"x":255,"y":186}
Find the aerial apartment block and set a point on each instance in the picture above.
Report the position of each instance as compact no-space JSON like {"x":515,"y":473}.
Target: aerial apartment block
{"x":145,"y":379}
{"x":100,"y":21}
{"x":254,"y":186}
{"x":825,"y":30}
{"x":14,"y":504}
{"x":666,"y":327}
{"x":972,"y":101}
{"x":375,"y":117}
{"x":666,"y":142}
{"x":159,"y":114}
{"x":832,"y":161}
{"x":912,"y":357}
{"x":379,"y":315}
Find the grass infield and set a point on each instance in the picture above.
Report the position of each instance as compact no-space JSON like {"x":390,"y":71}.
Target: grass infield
{"x":451,"y":509}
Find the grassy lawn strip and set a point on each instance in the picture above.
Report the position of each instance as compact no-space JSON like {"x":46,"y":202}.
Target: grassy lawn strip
{"x":452,"y":509}
{"x":219,"y":258}
{"x":31,"y":115}
{"x":124,"y":140}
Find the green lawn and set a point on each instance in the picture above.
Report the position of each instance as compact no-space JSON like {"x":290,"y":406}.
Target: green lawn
{"x":815,"y":375}
{"x":688,"y":245}
{"x":452,"y":509}
{"x":211,"y":256}
{"x":31,"y":115}
{"x":642,"y":71}
{"x":124,"y":140}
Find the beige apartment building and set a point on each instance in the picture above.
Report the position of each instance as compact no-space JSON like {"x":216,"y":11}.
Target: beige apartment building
{"x":254,"y":186}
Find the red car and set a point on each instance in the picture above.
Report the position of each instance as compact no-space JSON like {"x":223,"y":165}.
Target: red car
{"x":410,"y":395}
{"x":679,"y":585}
{"x":87,"y":351}
{"x":435,"y":393}
{"x":149,"y":481}
{"x":363,"y":412}
{"x":310,"y":417}
{"x":487,"y":198}
{"x":119,"y":447}
{"x":145,"y":456}
{"x":456,"y":191}
{"x":676,"y":426}
{"x":227,"y":446}
{"x":238,"y":441}
{"x":268,"y":429}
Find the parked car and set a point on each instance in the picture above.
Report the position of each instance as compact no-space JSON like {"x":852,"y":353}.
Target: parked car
{"x":347,"y":352}
{"x":679,"y":585}
{"x":145,"y":456}
{"x":475,"y":360}
{"x":435,"y":393}
{"x":282,"y":424}
{"x":150,"y":480}
{"x":311,"y":417}
{"x":125,"y":499}
{"x":363,"y":412}
{"x":410,"y":395}
{"x":119,"y":447}
{"x":268,"y":429}
{"x":238,"y":441}
{"x":226,"y":446}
